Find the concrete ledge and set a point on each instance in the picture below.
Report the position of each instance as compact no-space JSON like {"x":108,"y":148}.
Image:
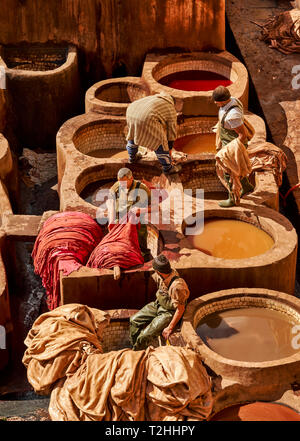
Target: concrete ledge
{"x":21,"y":227}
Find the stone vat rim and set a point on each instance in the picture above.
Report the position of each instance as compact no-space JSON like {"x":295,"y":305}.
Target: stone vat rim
{"x":225,"y":56}
{"x":188,"y":330}
{"x":70,"y":59}
{"x":276,"y":252}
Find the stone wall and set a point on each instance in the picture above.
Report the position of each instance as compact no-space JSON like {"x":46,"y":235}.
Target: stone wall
{"x":113,"y":36}
{"x":43,"y":86}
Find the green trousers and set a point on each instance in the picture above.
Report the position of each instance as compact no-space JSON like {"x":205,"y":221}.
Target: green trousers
{"x":148,"y":323}
{"x":142,"y":238}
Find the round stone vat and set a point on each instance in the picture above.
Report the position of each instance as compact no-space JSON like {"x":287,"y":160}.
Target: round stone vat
{"x":195,"y":136}
{"x":216,"y":69}
{"x":89,"y":139}
{"x":199,"y":172}
{"x":114,"y":95}
{"x":103,"y":138}
{"x":102,"y":177}
{"x":263,"y":303}
{"x":34,"y":57}
{"x":257,"y":411}
{"x":274,"y":269}
{"x":49,"y":72}
{"x":116,"y":335}
{"x":231,"y":239}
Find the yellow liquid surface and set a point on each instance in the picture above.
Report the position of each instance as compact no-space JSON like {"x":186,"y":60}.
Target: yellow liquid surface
{"x":231,"y":239}
{"x":109,"y":153}
{"x":198,"y":143}
{"x":249,"y":334}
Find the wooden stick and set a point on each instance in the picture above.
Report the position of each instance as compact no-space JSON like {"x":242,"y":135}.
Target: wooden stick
{"x":256,"y":23}
{"x":117,"y":272}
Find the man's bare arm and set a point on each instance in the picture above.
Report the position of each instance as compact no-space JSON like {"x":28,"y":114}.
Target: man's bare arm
{"x":176,"y":317}
{"x":110,"y":203}
{"x":241,"y":131}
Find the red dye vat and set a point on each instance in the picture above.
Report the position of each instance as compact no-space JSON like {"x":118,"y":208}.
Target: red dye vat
{"x":258,"y":411}
{"x":195,"y":80}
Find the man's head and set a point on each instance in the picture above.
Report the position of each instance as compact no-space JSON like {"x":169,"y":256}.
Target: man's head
{"x":125,"y":177}
{"x":162,"y":265}
{"x":221,"y":96}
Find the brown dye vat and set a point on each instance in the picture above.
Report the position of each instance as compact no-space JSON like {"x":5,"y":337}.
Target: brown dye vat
{"x":195,"y":80}
{"x":109,"y":153}
{"x":197,"y":143}
{"x":258,"y":411}
{"x":248,"y":334}
{"x":231,"y":239}
{"x":90,"y":191}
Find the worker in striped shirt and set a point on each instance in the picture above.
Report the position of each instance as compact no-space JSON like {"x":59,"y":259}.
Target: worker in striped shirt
{"x":152,"y":123}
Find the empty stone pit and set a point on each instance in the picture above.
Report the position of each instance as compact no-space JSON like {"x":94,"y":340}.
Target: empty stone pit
{"x":114,"y":95}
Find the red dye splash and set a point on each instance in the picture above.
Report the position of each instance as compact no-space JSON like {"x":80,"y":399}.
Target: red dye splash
{"x":195,"y":80}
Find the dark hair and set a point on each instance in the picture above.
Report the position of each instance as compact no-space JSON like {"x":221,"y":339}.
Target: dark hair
{"x":221,"y":93}
{"x":161,"y":264}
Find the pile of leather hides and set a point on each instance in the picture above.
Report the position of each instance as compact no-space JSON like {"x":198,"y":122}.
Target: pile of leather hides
{"x":64,"y":358}
{"x":120,"y":247}
{"x":267,"y":156}
{"x":238,"y":162}
{"x":65,"y":243}
{"x":283,"y":32}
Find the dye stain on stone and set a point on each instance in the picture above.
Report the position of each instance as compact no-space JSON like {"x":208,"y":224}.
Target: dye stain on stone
{"x":231,"y":239}
{"x":195,"y":80}
{"x":197,"y":143}
{"x":249,"y":334}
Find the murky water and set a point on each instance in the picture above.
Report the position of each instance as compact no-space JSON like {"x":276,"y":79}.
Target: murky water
{"x":249,"y":334}
{"x":89,"y":193}
{"x":231,"y":239}
{"x":195,"y":80}
{"x":197,"y":143}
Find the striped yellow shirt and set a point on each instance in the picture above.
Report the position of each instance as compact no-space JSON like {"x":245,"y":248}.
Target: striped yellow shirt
{"x":152,"y":121}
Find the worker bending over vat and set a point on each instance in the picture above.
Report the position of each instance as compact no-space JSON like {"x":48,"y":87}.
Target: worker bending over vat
{"x":162,"y":315}
{"x":130,"y":195}
{"x":152,"y":123}
{"x":231,"y":126}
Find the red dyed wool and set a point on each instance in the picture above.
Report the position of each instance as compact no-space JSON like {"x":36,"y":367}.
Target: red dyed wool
{"x":120,"y":247}
{"x":65,"y":243}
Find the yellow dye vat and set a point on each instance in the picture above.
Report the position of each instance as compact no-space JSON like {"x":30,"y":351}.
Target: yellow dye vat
{"x":195,"y":144}
{"x":231,"y":239}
